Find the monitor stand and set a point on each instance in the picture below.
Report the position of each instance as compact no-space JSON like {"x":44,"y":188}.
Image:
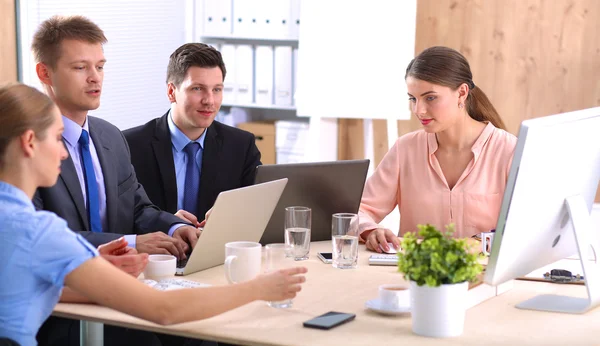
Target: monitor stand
{"x":584,"y":237}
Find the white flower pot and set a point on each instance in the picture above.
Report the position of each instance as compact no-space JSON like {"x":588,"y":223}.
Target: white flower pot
{"x":438,"y":311}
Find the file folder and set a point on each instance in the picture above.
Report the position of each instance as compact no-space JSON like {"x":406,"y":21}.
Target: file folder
{"x":294,"y":74}
{"x":229,"y":85}
{"x":295,"y":16}
{"x":217,"y":17}
{"x":264,"y":75}
{"x":244,"y":63}
{"x":245,"y":16}
{"x":283,"y":75}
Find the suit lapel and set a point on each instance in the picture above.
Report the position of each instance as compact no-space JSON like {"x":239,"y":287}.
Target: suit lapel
{"x":69,"y":177}
{"x":109,"y":170}
{"x":210,"y":157}
{"x":163,"y":154}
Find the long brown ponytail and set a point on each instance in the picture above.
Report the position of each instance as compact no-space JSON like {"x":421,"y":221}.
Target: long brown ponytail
{"x":445,"y":66}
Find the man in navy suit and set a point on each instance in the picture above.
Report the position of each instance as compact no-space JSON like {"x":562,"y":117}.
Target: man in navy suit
{"x":185,"y":158}
{"x":97,"y":192}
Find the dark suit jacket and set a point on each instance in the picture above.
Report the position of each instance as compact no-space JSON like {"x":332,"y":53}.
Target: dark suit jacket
{"x":128,"y":209}
{"x":229,"y":161}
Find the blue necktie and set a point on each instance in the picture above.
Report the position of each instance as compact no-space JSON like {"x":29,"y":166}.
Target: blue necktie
{"x":91,"y":188}
{"x":192,"y":178}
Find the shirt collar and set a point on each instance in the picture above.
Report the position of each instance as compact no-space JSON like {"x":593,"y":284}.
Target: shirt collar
{"x":17,"y":194}
{"x":72,"y":130}
{"x":477,"y":146}
{"x":179,"y":139}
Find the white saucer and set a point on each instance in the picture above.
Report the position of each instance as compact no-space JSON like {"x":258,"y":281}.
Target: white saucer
{"x":377,"y":306}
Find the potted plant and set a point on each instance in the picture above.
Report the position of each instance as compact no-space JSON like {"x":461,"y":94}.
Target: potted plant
{"x":439,"y":268}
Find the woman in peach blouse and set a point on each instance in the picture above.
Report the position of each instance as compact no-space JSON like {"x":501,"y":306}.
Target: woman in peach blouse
{"x":454,"y":170}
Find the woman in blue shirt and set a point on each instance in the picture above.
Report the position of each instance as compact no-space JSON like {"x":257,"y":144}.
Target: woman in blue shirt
{"x":42,"y":261}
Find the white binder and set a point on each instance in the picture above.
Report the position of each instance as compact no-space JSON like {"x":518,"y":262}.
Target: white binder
{"x":276,"y":20}
{"x":244,"y":63}
{"x":242,"y":18}
{"x":295,"y":19}
{"x":263,"y":94}
{"x":294,"y":74}
{"x":217,"y":17}
{"x":283,"y":75}
{"x":229,"y":87}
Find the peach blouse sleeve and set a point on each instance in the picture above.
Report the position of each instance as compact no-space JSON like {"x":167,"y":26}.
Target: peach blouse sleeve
{"x":381,"y":192}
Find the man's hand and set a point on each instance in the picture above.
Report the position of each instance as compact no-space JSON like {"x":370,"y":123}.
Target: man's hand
{"x":160,"y":243}
{"x":188,"y":235}
{"x":188,"y":217}
{"x":124,"y":257}
{"x":377,"y":240}
{"x":205,"y":218}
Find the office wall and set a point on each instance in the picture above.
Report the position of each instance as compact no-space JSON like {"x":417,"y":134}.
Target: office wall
{"x":8,"y":42}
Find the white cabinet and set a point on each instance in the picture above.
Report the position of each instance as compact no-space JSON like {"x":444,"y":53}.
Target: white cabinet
{"x":259,"y":42}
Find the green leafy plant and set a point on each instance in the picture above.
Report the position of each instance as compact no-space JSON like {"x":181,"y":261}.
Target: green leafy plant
{"x":436,"y":258}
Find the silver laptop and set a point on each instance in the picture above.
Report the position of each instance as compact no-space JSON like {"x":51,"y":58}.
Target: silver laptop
{"x":325,"y":187}
{"x":237,"y":215}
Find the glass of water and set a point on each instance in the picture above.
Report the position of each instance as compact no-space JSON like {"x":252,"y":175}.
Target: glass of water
{"x":276,"y":259}
{"x":297,"y":232}
{"x":344,"y":232}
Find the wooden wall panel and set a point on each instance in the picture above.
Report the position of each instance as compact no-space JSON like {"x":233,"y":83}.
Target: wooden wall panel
{"x":380,"y":140}
{"x":351,"y":139}
{"x":8,"y":42}
{"x":531,"y":57}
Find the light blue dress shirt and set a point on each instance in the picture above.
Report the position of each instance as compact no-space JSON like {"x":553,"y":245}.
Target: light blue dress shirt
{"x":37,"y":252}
{"x":179,"y":140}
{"x":71,"y":136}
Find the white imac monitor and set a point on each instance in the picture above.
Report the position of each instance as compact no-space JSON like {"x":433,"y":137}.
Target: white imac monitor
{"x":545,"y":213}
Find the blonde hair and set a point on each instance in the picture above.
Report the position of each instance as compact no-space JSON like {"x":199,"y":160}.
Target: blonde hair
{"x":22,"y":108}
{"x":50,"y":34}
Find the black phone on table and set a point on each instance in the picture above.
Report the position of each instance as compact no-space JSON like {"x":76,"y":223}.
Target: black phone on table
{"x":329,"y":320}
{"x":326,"y":257}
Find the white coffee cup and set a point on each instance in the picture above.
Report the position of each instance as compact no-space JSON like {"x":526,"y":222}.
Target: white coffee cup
{"x":242,"y":261}
{"x":160,"y":267}
{"x":394,"y":296}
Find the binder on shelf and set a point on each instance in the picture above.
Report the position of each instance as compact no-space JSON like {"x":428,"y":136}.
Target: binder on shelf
{"x":283,"y":75}
{"x":217,"y":17}
{"x":245,"y":21}
{"x":244,"y":63}
{"x":263,"y":93}
{"x":277,"y":20}
{"x":229,"y":85}
{"x":295,"y":17}
{"x":295,"y":74}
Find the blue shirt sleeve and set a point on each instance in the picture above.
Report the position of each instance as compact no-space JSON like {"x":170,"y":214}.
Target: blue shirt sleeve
{"x":58,"y":250}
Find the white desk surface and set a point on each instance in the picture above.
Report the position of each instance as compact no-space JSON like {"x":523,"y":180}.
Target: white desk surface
{"x":494,"y":322}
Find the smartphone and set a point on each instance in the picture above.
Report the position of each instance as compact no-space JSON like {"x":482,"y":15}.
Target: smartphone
{"x":329,"y":320}
{"x":326,"y":257}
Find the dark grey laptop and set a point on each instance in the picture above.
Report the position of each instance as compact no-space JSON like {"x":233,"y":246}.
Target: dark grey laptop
{"x":325,"y":187}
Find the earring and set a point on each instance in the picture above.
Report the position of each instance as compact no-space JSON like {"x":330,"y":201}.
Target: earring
{"x":460,"y":105}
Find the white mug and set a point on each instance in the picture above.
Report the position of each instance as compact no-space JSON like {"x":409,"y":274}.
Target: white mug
{"x":160,"y":267}
{"x":242,"y":261}
{"x":394,"y":296}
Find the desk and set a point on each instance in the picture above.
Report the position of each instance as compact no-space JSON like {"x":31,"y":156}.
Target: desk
{"x":495,"y":321}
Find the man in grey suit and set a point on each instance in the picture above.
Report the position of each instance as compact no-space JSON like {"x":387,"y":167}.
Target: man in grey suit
{"x":97,"y":192}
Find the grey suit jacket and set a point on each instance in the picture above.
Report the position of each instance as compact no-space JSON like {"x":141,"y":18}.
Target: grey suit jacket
{"x":128,"y":209}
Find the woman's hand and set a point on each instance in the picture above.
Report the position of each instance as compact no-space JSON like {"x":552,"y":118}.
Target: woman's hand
{"x":280,"y":285}
{"x":377,"y":240}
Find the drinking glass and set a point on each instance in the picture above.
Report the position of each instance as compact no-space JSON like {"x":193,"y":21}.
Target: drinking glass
{"x":276,"y":259}
{"x":297,"y":232}
{"x":344,"y":233}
